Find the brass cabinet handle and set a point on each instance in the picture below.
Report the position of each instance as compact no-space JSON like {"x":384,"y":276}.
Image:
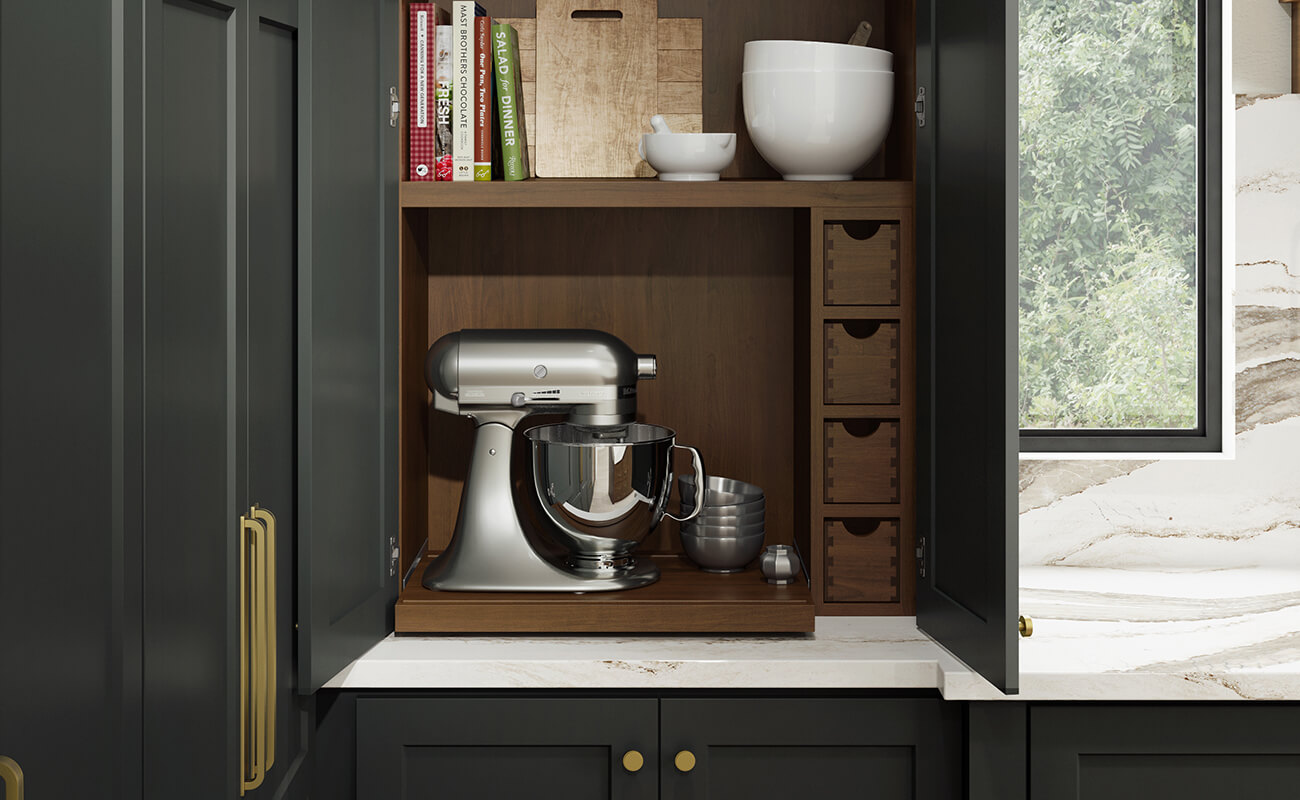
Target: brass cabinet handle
{"x":257,"y":647}
{"x":252,"y":536}
{"x":684,"y":761}
{"x":12,"y":775}
{"x":1026,"y":627}
{"x":268,"y":520}
{"x":633,"y":761}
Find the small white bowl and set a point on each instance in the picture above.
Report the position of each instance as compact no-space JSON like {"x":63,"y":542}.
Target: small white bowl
{"x":814,"y":125}
{"x":688,"y":156}
{"x":785,"y":54}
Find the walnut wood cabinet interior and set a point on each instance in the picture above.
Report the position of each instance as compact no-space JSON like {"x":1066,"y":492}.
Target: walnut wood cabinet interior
{"x":781,"y":314}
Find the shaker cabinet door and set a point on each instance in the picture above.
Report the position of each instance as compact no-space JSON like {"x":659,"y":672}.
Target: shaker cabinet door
{"x":742,"y":748}
{"x":966,"y":233}
{"x":1164,"y":752}
{"x":347,"y":333}
{"x":538,"y":748}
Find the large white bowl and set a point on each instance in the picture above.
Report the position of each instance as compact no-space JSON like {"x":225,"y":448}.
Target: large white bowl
{"x":817,"y":126}
{"x":784,"y":54}
{"x":688,"y":156}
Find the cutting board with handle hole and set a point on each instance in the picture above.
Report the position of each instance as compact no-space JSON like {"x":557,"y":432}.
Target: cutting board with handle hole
{"x":597,"y":68}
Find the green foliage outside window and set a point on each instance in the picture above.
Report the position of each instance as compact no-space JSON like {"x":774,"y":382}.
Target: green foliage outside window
{"x":1108,"y":184}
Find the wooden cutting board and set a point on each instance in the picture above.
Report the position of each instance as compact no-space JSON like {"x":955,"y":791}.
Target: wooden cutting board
{"x":596,"y":85}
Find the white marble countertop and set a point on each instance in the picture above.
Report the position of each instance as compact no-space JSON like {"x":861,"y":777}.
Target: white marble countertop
{"x":1099,"y":634}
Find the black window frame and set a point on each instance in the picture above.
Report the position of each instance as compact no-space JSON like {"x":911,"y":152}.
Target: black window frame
{"x":1208,"y":435}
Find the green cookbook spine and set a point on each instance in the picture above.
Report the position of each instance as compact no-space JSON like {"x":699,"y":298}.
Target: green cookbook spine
{"x":510,"y":111}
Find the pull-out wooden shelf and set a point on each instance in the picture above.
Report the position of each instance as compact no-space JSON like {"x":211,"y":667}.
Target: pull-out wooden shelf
{"x":684,"y":600}
{"x":653,"y":193}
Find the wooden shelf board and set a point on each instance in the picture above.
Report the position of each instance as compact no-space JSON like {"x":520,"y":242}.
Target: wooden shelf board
{"x":860,"y":411}
{"x":683,"y":600}
{"x":651,"y":193}
{"x":834,"y":313}
{"x":843,"y":510}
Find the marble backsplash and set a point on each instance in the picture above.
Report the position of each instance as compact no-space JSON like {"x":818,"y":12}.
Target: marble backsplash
{"x":1211,"y":514}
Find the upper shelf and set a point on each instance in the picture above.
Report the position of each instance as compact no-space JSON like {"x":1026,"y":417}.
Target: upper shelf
{"x":651,"y":193}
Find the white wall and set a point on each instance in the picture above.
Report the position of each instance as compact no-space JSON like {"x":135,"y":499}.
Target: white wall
{"x":1261,"y":45}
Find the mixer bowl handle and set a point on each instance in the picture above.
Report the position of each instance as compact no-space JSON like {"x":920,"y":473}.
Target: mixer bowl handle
{"x":698,"y":464}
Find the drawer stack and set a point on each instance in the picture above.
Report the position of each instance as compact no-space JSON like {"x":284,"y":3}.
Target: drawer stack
{"x":863,"y":409}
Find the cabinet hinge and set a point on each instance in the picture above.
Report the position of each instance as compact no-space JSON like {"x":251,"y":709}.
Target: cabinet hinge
{"x":920,"y":107}
{"x":920,"y":557}
{"x":394,"y":107}
{"x":392,"y":556}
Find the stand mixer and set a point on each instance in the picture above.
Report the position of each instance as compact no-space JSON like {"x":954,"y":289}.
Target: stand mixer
{"x":602,"y":478}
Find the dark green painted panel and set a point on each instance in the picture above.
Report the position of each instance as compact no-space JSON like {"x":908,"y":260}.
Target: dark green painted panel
{"x":60,"y":660}
{"x":967,"y":336}
{"x":1164,"y":751}
{"x":823,"y":747}
{"x":347,"y":335}
{"x":271,"y":322}
{"x":190,"y":361}
{"x":513,"y":747}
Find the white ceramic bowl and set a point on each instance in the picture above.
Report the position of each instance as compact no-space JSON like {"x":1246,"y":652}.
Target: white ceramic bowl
{"x":778,"y":54}
{"x":817,"y":126}
{"x":688,"y":156}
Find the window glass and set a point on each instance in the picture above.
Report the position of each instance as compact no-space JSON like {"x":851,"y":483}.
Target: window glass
{"x":1108,"y":214}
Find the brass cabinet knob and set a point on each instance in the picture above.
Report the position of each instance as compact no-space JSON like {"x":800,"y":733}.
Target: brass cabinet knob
{"x":684,"y":761}
{"x":633,"y":761}
{"x":1026,"y":627}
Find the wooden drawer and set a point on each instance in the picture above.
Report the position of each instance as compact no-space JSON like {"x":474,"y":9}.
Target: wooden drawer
{"x":861,"y":361}
{"x":862,"y":560}
{"x":861,"y":461}
{"x":862,"y":263}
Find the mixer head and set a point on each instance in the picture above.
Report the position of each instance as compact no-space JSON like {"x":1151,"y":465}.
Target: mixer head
{"x":590,"y":375}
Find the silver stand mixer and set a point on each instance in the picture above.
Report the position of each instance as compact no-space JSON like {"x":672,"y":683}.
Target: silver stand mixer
{"x":602,"y":478}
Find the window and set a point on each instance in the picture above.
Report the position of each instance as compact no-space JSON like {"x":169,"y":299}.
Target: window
{"x":1120,"y":323}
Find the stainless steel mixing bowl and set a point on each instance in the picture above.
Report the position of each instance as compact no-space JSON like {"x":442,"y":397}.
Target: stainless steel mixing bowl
{"x":722,"y":553}
{"x":708,"y":529}
{"x":604,"y":489}
{"x":720,"y":491}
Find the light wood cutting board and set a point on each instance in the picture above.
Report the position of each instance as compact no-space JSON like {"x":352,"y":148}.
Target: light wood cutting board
{"x":596,"y":85}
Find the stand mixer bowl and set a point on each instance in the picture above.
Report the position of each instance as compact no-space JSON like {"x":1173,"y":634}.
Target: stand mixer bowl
{"x":604,"y":489}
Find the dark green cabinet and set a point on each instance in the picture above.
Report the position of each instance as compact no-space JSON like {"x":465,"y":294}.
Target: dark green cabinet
{"x":1164,"y":752}
{"x":742,"y":748}
{"x":672,"y":747}
{"x":539,"y":748}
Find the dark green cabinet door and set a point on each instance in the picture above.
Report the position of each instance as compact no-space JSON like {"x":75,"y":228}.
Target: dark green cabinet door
{"x":347,"y":333}
{"x":65,"y":602}
{"x":501,"y":749}
{"x":967,"y":435}
{"x":192,"y":338}
{"x":742,"y":748}
{"x":1164,"y":752}
{"x":270,"y":386}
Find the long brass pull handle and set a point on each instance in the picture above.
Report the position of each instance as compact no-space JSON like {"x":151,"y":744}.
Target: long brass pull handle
{"x":252,"y":661}
{"x":268,"y":520}
{"x":12,"y":775}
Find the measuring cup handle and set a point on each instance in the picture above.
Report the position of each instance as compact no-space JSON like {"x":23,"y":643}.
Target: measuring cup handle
{"x":698,"y":464}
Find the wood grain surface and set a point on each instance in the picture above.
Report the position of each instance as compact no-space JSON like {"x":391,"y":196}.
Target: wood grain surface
{"x":683,"y":600}
{"x":633,"y":193}
{"x":862,"y":558}
{"x":597,"y":83}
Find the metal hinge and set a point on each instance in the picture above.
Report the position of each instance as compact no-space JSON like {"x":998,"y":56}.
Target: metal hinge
{"x":920,"y":107}
{"x":392,"y":557}
{"x":394,"y":107}
{"x":920,"y":557}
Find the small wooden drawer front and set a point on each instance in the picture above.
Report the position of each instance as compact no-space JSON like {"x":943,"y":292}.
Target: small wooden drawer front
{"x":862,"y":560}
{"x":862,"y":263}
{"x":861,"y":361}
{"x":861,"y":461}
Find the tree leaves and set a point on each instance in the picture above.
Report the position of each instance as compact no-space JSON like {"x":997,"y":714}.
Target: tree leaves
{"x":1108,"y":213}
